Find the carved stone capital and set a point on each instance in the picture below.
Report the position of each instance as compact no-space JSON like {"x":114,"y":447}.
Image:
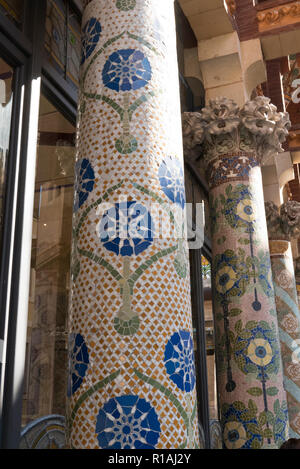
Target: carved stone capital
{"x":193,"y":133}
{"x":273,"y":221}
{"x":290,"y":218}
{"x":223,"y":128}
{"x":284,"y":222}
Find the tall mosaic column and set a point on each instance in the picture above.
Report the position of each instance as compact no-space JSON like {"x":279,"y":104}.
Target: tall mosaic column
{"x":235,"y":142}
{"x":132,"y":372}
{"x":282,"y":227}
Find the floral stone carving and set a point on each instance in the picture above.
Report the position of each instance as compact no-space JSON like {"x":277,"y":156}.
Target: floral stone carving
{"x":283,"y":222}
{"x":223,"y":127}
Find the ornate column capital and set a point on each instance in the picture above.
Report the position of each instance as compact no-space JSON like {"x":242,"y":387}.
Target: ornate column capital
{"x":224,"y":128}
{"x":283,"y":223}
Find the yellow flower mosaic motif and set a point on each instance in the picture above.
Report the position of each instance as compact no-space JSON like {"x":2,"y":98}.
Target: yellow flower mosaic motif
{"x":260,"y":352}
{"x":225,"y":279}
{"x":234,"y":435}
{"x":245,"y":211}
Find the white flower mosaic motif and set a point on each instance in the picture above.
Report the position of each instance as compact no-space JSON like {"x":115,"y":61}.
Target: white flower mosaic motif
{"x":296,"y":422}
{"x":290,"y":324}
{"x":284,"y":279}
{"x":293,"y":371}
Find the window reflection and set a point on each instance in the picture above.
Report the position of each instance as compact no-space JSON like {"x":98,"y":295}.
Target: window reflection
{"x":209,"y":332}
{"x":6,"y":98}
{"x":46,"y":358}
{"x":13,"y":9}
{"x":62,"y":39}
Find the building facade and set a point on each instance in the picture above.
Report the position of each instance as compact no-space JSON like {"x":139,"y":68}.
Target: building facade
{"x":124,"y":322}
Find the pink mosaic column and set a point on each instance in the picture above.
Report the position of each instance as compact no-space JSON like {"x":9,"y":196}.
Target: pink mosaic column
{"x":132,"y":372}
{"x":252,"y":399}
{"x":281,"y":228}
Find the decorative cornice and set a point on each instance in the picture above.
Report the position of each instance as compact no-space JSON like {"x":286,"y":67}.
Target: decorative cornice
{"x":279,"y":16}
{"x":231,"y":6}
{"x":222,"y":127}
{"x":283,"y":223}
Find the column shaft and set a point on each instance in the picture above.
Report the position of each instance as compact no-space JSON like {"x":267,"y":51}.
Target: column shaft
{"x":252,"y":398}
{"x":283,"y":226}
{"x":289,"y":326}
{"x":132,"y":372}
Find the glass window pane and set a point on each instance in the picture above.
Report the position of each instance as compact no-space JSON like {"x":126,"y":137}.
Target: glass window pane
{"x":74,"y":47}
{"x":209,"y":332}
{"x":46,"y":360}
{"x":56,"y":32}
{"x":13,"y":9}
{"x":6,"y":98}
{"x":63,"y":39}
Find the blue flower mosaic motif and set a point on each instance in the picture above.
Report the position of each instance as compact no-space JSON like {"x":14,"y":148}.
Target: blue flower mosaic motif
{"x":126,"y":229}
{"x":79,"y":360}
{"x":90,"y":37}
{"x":126,"y":70}
{"x":171,"y":179}
{"x":179,"y":360}
{"x":84,"y":182}
{"x":127,"y":422}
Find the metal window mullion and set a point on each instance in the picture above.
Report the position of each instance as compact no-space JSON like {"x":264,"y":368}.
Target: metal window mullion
{"x":10,"y":219}
{"x":20,"y":276}
{"x":197,"y":295}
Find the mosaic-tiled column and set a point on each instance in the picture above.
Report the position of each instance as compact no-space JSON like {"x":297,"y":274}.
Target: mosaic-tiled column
{"x":252,"y":399}
{"x":132,"y":372}
{"x":281,"y":228}
{"x":297,"y":278}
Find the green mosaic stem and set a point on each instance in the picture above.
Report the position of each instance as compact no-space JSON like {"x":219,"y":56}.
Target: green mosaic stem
{"x":95,"y":204}
{"x":116,"y":107}
{"x":108,"y":43}
{"x":140,"y":270}
{"x":158,"y":199}
{"x":144,"y":42}
{"x":97,"y":387}
{"x":166,"y":392}
{"x":138,"y":102}
{"x":193,"y":415}
{"x":102,"y":262}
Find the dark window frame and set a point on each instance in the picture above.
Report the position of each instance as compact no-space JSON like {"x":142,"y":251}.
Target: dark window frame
{"x":23,"y":50}
{"x":197,"y":298}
